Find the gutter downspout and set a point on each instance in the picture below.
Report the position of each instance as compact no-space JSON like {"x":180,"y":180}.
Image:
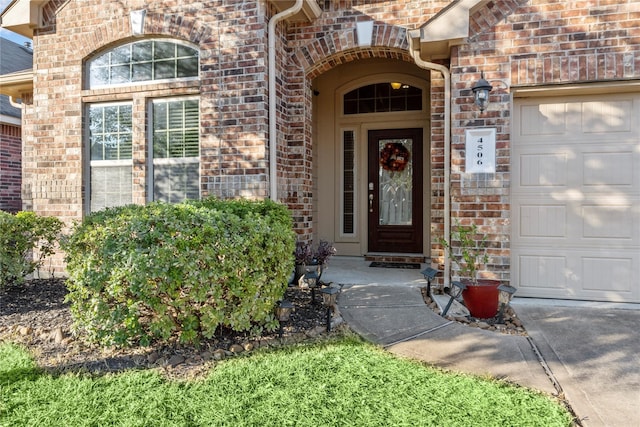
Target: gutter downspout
{"x":273,"y":140}
{"x":415,"y":53}
{"x":15,"y":104}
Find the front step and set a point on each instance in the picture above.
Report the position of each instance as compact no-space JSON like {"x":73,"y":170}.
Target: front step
{"x":395,"y":257}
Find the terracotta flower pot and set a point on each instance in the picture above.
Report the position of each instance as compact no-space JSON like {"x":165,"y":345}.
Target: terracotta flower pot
{"x":481,"y":299}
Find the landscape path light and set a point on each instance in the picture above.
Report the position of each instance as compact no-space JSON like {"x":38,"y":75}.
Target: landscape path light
{"x":329,"y":299}
{"x":310,"y":279}
{"x":455,"y":292}
{"x":429,"y":274}
{"x":283,"y":313}
{"x":505,"y":293}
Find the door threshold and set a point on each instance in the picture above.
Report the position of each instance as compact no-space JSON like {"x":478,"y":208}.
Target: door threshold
{"x":395,"y":257}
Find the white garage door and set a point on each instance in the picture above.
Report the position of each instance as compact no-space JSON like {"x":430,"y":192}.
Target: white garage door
{"x":576,"y":197}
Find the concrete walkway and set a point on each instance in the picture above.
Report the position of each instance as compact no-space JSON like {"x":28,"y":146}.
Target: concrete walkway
{"x":589,"y":352}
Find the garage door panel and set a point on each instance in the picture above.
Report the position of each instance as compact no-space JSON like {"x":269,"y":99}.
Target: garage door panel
{"x":543,"y":169}
{"x":576,"y":197}
{"x":601,"y":168}
{"x":607,"y":116}
{"x":576,"y":224}
{"x":577,"y":274}
{"x":610,"y":223}
{"x":543,"y":220}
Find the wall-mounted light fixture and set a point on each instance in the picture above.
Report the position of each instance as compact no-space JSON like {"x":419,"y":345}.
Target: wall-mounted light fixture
{"x":396,"y":85}
{"x":481,"y":91}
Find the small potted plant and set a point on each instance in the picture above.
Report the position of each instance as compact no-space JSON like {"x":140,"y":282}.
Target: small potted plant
{"x":308,"y":258}
{"x":468,"y":251}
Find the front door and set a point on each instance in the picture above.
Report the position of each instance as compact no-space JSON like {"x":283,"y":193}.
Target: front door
{"x":395,"y":190}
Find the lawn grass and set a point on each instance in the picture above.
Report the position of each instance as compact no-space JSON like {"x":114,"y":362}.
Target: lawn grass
{"x":342,"y":382}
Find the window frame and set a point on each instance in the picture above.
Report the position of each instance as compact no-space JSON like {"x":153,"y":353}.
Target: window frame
{"x":90,"y":62}
{"x":90,"y":163}
{"x":152,"y":161}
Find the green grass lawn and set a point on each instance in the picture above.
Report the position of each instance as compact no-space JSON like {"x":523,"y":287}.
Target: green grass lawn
{"x":343,"y":382}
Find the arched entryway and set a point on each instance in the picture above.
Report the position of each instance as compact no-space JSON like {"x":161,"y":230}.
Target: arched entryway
{"x":371,"y":150}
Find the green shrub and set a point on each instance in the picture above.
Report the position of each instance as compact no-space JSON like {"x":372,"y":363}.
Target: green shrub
{"x":20,"y":234}
{"x":142,"y":274}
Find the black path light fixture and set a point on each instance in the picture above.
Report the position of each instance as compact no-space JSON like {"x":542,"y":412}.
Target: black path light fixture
{"x":481,"y":90}
{"x":455,"y":292}
{"x":283,"y":313}
{"x":311,"y":279}
{"x":429,"y":274}
{"x":329,"y":299}
{"x":505,"y":293}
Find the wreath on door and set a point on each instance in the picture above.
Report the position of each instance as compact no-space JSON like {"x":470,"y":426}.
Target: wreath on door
{"x":394,"y":157}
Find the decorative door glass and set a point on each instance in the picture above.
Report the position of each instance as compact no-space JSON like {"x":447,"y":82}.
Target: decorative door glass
{"x":395,"y":181}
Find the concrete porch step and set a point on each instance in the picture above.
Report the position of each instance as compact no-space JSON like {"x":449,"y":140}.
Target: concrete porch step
{"x":395,"y":257}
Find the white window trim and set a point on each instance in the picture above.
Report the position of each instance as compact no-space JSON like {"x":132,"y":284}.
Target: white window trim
{"x":167,"y":161}
{"x":88,"y":163}
{"x":87,"y":75}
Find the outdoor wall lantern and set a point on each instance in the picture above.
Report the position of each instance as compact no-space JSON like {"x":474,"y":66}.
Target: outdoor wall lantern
{"x":283,"y":313}
{"x":329,"y":299}
{"x":505,"y":293}
{"x":481,"y":91}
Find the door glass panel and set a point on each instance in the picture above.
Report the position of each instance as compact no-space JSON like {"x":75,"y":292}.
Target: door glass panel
{"x":395,"y":176}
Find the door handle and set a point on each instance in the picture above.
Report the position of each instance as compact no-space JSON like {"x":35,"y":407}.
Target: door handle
{"x":370,"y":202}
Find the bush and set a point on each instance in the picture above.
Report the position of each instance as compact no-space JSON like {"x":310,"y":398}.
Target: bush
{"x":20,"y":234}
{"x":141,"y":274}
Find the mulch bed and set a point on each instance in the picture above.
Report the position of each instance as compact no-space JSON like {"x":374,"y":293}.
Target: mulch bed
{"x":509,"y":324}
{"x":35,"y":315}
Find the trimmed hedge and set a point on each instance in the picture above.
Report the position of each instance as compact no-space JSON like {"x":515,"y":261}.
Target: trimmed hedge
{"x":143,"y":274}
{"x":19,"y":234}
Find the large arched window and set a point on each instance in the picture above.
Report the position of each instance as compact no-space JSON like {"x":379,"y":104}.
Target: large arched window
{"x":169,"y":149}
{"x":141,"y":61}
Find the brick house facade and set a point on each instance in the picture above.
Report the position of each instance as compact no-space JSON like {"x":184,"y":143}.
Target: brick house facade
{"x":546,"y":61}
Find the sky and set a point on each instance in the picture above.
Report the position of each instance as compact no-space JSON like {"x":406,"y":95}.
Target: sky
{"x":6,"y":34}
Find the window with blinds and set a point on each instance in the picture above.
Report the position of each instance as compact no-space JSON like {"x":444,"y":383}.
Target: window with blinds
{"x":169,"y":146}
{"x":111,"y":165}
{"x":176,"y":149}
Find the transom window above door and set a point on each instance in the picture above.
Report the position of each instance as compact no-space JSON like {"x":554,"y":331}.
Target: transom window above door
{"x":145,"y":60}
{"x":383,"y":98}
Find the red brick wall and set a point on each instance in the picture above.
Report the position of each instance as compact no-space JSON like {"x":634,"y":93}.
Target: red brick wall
{"x":10,"y":168}
{"x":525,"y":43}
{"x":515,"y":42}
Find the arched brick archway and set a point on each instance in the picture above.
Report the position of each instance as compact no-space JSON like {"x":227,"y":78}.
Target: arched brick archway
{"x":335,"y":48}
{"x":306,"y":63}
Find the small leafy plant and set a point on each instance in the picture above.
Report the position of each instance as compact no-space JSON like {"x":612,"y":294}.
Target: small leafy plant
{"x":20,"y":234}
{"x":305,"y":254}
{"x":470,"y":253}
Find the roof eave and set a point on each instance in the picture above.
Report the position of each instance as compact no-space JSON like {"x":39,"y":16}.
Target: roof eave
{"x":23,"y":16}
{"x":16,"y":85}
{"x":310,"y":10}
{"x":449,"y":27}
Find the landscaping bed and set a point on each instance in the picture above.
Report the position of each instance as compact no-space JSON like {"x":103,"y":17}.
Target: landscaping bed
{"x":35,"y":315}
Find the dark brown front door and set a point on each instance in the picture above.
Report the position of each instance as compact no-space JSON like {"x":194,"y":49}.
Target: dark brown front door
{"x":395,"y":190}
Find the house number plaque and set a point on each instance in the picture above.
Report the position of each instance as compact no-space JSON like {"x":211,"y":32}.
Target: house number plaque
{"x":480,"y":150}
